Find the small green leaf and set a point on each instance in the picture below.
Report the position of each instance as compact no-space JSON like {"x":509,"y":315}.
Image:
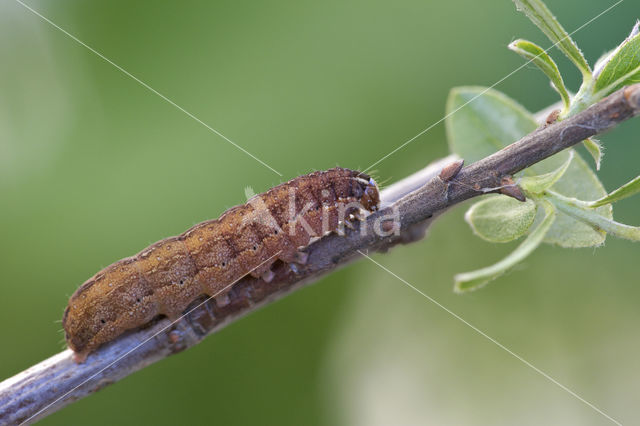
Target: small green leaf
{"x":468,"y":281}
{"x":575,"y":208}
{"x":534,"y":53}
{"x":538,"y":184}
{"x":622,"y":66}
{"x":500,"y":219}
{"x":542,"y":17}
{"x":595,"y":149}
{"x":602,"y":61}
{"x":626,"y":190}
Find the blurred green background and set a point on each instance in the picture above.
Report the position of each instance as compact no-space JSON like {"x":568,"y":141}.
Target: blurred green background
{"x":94,"y":167}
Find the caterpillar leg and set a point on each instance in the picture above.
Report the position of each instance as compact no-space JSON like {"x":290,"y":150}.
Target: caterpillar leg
{"x":301,"y":257}
{"x":80,"y":357}
{"x":264,"y":272}
{"x":288,"y":255}
{"x":222,"y":300}
{"x":267,"y":276}
{"x":295,"y":260}
{"x":262,"y":269}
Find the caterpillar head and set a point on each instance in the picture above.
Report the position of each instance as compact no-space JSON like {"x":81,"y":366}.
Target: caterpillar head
{"x":370,"y":198}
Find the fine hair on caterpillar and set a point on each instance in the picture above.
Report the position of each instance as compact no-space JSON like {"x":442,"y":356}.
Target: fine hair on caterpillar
{"x":163,"y":279}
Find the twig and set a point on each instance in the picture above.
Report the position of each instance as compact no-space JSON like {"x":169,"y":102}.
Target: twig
{"x":58,"y":381}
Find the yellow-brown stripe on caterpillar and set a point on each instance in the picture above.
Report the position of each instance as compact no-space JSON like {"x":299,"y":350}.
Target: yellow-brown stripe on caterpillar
{"x":167,"y":276}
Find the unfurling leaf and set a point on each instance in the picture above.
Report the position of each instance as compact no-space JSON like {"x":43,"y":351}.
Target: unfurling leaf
{"x":534,"y":53}
{"x":500,"y":219}
{"x":468,"y":281}
{"x":595,"y":149}
{"x":542,"y":17}
{"x":626,"y":190}
{"x":621,"y":67}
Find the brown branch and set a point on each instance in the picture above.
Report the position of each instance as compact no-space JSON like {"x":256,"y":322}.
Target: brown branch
{"x":58,"y":381}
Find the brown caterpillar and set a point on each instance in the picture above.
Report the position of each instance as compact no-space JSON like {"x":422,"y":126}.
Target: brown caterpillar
{"x":166,"y":276}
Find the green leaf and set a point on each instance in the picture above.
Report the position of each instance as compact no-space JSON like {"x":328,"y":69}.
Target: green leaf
{"x":595,"y":149}
{"x":581,"y":182}
{"x":542,"y":17}
{"x":626,"y":190}
{"x":602,"y":61}
{"x":576,"y":209}
{"x":538,"y":184}
{"x":534,"y":53}
{"x":500,"y":219}
{"x":469,"y":281}
{"x":490,"y":121}
{"x":622,"y":66}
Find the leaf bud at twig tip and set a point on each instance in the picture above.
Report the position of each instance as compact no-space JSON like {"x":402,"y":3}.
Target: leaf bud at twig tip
{"x":451,"y":170}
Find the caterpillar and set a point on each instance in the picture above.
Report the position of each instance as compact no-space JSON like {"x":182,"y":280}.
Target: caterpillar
{"x":164,"y":278}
